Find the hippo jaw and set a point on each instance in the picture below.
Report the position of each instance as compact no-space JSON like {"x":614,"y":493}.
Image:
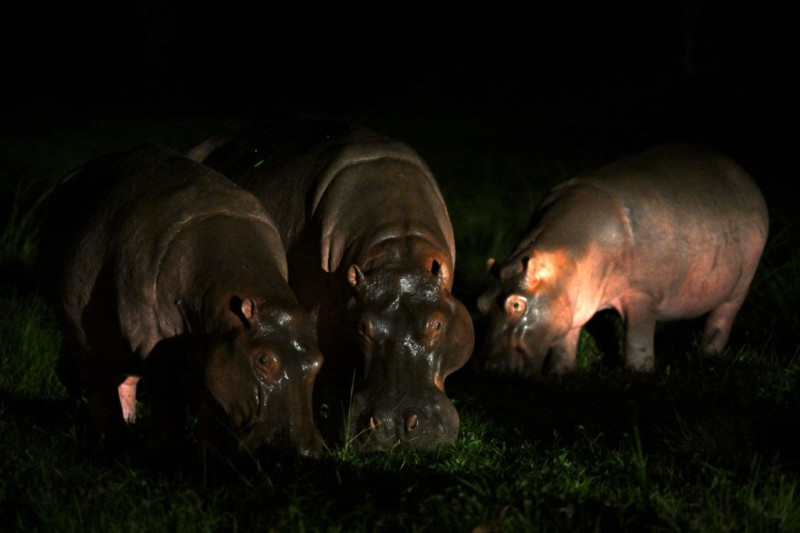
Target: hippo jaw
{"x":412,"y":334}
{"x":514,"y":349}
{"x":261,"y":378}
{"x":283,"y":425}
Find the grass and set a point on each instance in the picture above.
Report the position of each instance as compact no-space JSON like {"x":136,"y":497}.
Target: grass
{"x":699,"y":445}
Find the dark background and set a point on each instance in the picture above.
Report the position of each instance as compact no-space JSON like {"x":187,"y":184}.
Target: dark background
{"x":560,"y":76}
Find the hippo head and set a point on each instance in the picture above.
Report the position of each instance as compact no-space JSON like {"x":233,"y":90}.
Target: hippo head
{"x":259,"y":377}
{"x":528,"y":315}
{"x":412,"y":333}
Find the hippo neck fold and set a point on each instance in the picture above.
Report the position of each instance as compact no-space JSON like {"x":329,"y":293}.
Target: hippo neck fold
{"x":387,"y":248}
{"x":192,"y":288}
{"x":361,"y":218}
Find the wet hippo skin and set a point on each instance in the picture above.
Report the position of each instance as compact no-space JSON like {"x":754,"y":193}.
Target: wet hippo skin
{"x":370,"y":244}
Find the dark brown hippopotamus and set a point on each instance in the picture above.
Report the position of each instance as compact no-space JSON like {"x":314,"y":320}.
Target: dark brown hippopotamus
{"x":675,"y":232}
{"x":154,"y":257}
{"x":370,"y":243}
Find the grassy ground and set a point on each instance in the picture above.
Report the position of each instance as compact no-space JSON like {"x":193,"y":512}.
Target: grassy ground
{"x":700,"y":445}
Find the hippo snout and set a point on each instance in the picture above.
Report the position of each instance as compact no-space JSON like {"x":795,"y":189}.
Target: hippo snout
{"x":303,"y":442}
{"x":511,"y":355}
{"x":429,"y":422}
{"x":309,"y":446}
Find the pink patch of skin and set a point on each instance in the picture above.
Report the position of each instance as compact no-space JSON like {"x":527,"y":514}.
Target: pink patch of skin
{"x":127,"y":398}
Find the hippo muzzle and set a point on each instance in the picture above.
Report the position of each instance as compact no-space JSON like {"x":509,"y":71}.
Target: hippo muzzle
{"x":423,"y":420}
{"x":286,"y":427}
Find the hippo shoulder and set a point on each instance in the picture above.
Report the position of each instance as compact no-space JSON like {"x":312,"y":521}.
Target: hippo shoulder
{"x":181,"y":193}
{"x":358,"y":165}
{"x":359,"y":146}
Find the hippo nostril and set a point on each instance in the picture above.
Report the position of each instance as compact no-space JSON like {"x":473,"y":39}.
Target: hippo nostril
{"x":412,"y":422}
{"x":310,"y":451}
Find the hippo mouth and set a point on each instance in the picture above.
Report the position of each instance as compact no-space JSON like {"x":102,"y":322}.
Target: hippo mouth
{"x":514,"y":358}
{"x":422,"y":427}
{"x":251,"y":438}
{"x":260,"y":439}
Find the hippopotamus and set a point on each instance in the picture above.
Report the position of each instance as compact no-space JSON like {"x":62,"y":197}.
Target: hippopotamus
{"x":370,"y":243}
{"x":674,"y":232}
{"x":153,"y":257}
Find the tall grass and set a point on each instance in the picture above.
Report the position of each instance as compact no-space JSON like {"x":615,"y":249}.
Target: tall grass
{"x":29,"y":348}
{"x":701,"y":445}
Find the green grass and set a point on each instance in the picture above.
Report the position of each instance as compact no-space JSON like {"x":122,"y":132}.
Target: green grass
{"x":699,"y":445}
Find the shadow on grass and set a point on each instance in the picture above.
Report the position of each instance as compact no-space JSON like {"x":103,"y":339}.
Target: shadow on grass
{"x":727,"y":408}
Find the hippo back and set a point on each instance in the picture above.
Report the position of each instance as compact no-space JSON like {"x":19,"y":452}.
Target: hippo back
{"x":680,"y":180}
{"x":292,"y":167}
{"x":682,"y":201}
{"x":144,"y":198}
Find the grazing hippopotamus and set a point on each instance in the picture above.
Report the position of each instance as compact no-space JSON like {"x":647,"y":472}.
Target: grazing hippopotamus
{"x":675,"y":232}
{"x":151,"y":254}
{"x":370,"y":243}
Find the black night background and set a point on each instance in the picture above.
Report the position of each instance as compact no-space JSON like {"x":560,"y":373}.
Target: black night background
{"x":503,"y":100}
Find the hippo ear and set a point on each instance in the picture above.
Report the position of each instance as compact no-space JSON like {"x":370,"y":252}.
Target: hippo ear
{"x":485,"y":302}
{"x":546,"y":266}
{"x":531,"y":274}
{"x":354,"y":275}
{"x":442,"y":273}
{"x":244,"y":309}
{"x":494,"y":268}
{"x":436,"y":268}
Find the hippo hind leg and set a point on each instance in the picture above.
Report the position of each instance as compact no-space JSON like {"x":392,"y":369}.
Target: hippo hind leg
{"x":718,"y":327}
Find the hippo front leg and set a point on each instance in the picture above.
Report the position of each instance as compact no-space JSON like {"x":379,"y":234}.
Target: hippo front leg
{"x":103,"y":398}
{"x":562,"y":354}
{"x":639,"y":314}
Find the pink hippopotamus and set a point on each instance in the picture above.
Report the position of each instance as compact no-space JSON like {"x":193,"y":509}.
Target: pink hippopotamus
{"x":674,"y":232}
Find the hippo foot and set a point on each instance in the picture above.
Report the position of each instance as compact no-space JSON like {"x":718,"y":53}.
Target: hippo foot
{"x":642,"y":362}
{"x":713,"y":342}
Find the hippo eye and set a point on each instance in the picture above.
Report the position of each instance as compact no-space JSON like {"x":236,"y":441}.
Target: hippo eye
{"x":516,"y":306}
{"x":434,"y":328}
{"x":265,"y":366}
{"x":364,"y":331}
